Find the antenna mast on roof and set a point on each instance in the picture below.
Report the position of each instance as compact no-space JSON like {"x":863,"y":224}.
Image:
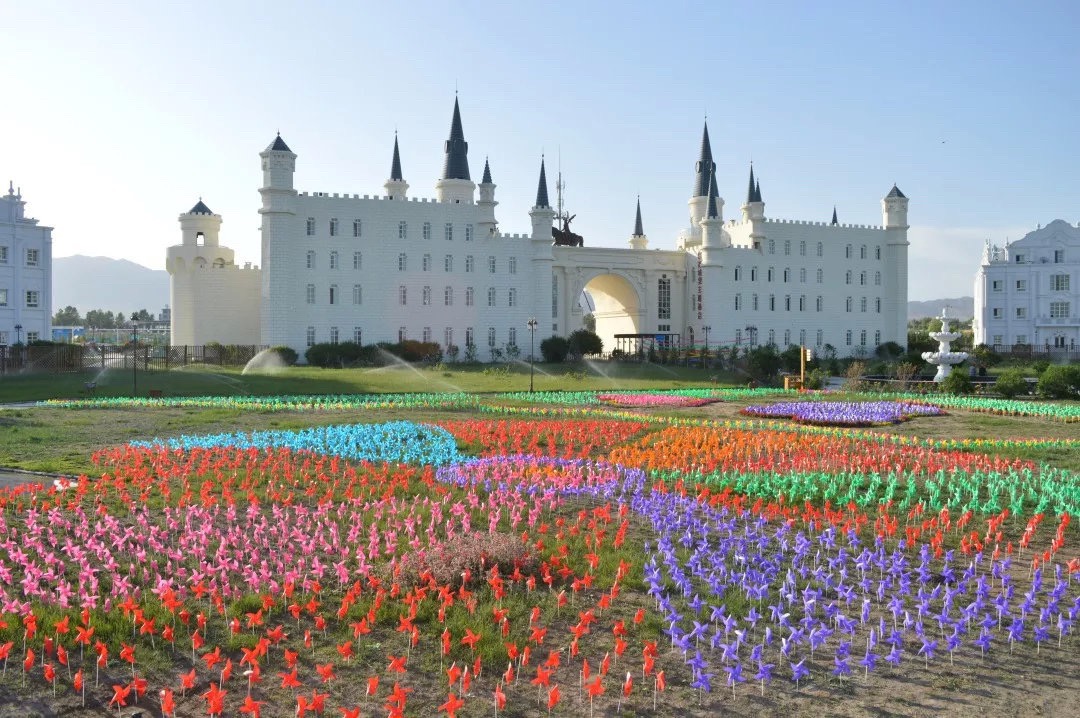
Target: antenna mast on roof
{"x":559,"y":187}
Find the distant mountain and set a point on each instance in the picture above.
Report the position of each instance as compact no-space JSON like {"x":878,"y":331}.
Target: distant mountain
{"x":114,"y":285}
{"x":959,"y":308}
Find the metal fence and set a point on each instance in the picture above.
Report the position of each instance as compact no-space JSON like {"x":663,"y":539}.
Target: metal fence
{"x":1052,"y":354}
{"x":63,"y":358}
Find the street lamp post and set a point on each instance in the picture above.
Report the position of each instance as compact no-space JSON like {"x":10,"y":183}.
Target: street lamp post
{"x":532,"y":324}
{"x":705,"y":359}
{"x":134,"y":360}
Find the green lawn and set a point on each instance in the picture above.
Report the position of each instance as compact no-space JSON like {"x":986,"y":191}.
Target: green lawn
{"x":219,"y":381}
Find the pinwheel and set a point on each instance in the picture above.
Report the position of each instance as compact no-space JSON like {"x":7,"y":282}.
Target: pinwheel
{"x":452,"y":705}
{"x":251,"y":707}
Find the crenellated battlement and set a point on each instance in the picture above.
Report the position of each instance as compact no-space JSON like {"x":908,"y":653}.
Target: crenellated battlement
{"x":810,"y":223}
{"x":370,"y":197}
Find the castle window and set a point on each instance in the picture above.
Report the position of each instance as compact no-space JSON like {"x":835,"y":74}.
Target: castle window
{"x":996,"y":312}
{"x":469,"y":337}
{"x":772,"y":246}
{"x":862,"y":278}
{"x":357,"y":294}
{"x":449,"y":232}
{"x":1021,"y":338}
{"x":802,"y":303}
{"x":802,"y":275}
{"x":862,"y":304}
{"x":310,"y":336}
{"x":333,"y":231}
{"x":468,"y":232}
{"x":820,"y":249}
{"x":772,"y":337}
{"x":819,"y":303}
{"x":738,"y":302}
{"x":448,"y":296}
{"x":738,"y":337}
{"x":403,"y":230}
{"x":512,"y":339}
{"x":663,"y":298}
{"x":1021,"y":312}
{"x":997,"y":285}
{"x":802,"y":337}
{"x":311,"y":226}
{"x":1059,"y":310}
{"x":787,"y":246}
{"x":754,"y":302}
{"x":333,"y":260}
{"x":333,"y":335}
{"x":425,"y":263}
{"x":999,"y":339}
{"x":491,"y":296}
{"x":333,"y":294}
{"x":1059,"y":282}
{"x":738,"y":273}
{"x":491,"y":265}
{"x":554,"y":296}
{"x":512,"y":298}
{"x":425,"y":296}
{"x":448,"y":263}
{"x":33,"y":299}
{"x":491,"y":337}
{"x":787,"y":304}
{"x":310,"y":294}
{"x":753,"y":274}
{"x":357,"y":260}
{"x":403,"y":295}
{"x":772,"y":302}
{"x":862,"y":252}
{"x":848,"y":304}
{"x":820,"y":275}
{"x":427,"y":230}
{"x":877,"y":279}
{"x":468,"y":296}
{"x":3,"y":254}
{"x":770,"y":274}
{"x":1059,"y":256}
{"x":862,"y":338}
{"x":512,"y":265}
{"x":847,"y":337}
{"x":469,"y":263}
{"x":787,"y":337}
{"x":847,"y":277}
{"x":402,"y":262}
{"x":787,"y":275}
{"x":1021,"y":285}
{"x":877,"y":337}
{"x":357,"y":336}
{"x":820,"y":337}
{"x":847,"y":252}
{"x":311,"y":259}
{"x":3,"y":300}
{"x":877,"y":305}
{"x":802,"y":249}
{"x":877,"y":252}
{"x":33,"y":257}
{"x":357,"y":230}
{"x":425,"y":335}
{"x":1020,"y":258}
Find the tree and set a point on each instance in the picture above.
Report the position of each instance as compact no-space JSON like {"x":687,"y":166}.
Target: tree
{"x":67,"y":317}
{"x":554,"y":349}
{"x":142,"y":316}
{"x":1011,"y":383}
{"x":790,"y":358}
{"x":584,"y":342}
{"x":889,"y":351}
{"x":1059,"y":382}
{"x":984,"y":356}
{"x":763,"y":363}
{"x":100,"y":319}
{"x":589,"y":321}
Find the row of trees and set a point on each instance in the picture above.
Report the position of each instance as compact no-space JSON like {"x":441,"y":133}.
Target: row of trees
{"x":69,"y":317}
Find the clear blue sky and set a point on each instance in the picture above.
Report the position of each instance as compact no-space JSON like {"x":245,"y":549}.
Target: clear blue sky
{"x":120,"y":115}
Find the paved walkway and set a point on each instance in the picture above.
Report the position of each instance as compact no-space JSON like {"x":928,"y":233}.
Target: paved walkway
{"x":14,"y":477}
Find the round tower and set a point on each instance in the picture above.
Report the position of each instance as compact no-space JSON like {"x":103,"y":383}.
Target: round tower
{"x":712,"y":234}
{"x":199,"y":223}
{"x":396,"y":186}
{"x":894,"y":209}
{"x":487,"y":225}
{"x":542,"y":215}
{"x":456,"y":185}
{"x":638,"y":240}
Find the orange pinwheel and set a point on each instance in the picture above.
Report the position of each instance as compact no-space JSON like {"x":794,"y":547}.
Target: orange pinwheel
{"x":168,"y":703}
{"x":120,"y":694}
{"x":553,"y":698}
{"x":325,"y":671}
{"x":628,"y":685}
{"x":213,"y":657}
{"x":500,"y":698}
{"x":289,"y":680}
{"x":397,"y":664}
{"x":345,"y":650}
{"x":215,"y":700}
{"x":251,"y":706}
{"x":452,"y":705}
{"x":661,"y":681}
{"x":372,"y":685}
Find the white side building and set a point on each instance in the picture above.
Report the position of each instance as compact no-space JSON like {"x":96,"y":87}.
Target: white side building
{"x":1028,"y":292}
{"x":25,"y":273}
{"x":386,"y":267}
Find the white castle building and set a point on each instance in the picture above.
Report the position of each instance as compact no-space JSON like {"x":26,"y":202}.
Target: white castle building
{"x":1028,"y":292}
{"x":371,"y":268}
{"x":25,"y":273}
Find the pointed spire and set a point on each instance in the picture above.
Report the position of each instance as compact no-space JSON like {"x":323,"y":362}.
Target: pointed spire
{"x":395,"y":165}
{"x":834,"y":220}
{"x":757,"y":192}
{"x":541,"y":188}
{"x":705,"y":165}
{"x":638,"y":230}
{"x":200,"y":208}
{"x":487,"y":173}
{"x":456,"y":164}
{"x":751,"y":196}
{"x":895,"y":192}
{"x":278,"y":145}
{"x":713,"y":212}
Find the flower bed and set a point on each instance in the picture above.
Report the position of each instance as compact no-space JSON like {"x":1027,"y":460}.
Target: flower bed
{"x":844,"y":413}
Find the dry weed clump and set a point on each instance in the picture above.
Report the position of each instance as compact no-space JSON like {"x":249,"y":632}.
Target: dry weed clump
{"x":467,"y":559}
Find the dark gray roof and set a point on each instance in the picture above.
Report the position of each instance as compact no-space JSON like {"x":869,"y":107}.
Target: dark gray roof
{"x":750,"y":195}
{"x":705,"y":166}
{"x":200,"y":208}
{"x":278,"y":145}
{"x":487,"y":173}
{"x":757,"y":192}
{"x":638,"y":231}
{"x":395,"y":165}
{"x":541,"y":188}
{"x":713,"y":212}
{"x":895,"y":192}
{"x":834,"y":216}
{"x":456,"y":164}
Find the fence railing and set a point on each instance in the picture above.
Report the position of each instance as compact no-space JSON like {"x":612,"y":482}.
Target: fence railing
{"x":1038,"y":351}
{"x":64,"y":358}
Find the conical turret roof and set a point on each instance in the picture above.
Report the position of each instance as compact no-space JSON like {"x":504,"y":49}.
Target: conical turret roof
{"x":705,"y":166}
{"x":200,"y":208}
{"x":395,"y":164}
{"x":456,"y":164}
{"x":638,"y":230}
{"x":278,"y":145}
{"x":541,"y":188}
{"x":487,"y":173}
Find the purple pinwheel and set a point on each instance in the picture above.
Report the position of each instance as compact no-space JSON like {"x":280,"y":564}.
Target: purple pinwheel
{"x":894,"y":655}
{"x":799,"y":671}
{"x":764,"y":674}
{"x":734,"y":676}
{"x":842,"y":668}
{"x":983,"y":641}
{"x":702,"y":681}
{"x":927,"y":650}
{"x":868,"y":662}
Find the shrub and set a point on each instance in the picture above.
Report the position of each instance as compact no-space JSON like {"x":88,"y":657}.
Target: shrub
{"x":584,"y":342}
{"x":816,"y":379}
{"x":904,"y":372}
{"x":889,"y":351}
{"x":287,"y":354}
{"x":763,"y":362}
{"x":853,"y":377}
{"x":956,"y":383}
{"x":1011,"y":383}
{"x":1059,"y":382}
{"x":1040,"y":366}
{"x":554,"y":349}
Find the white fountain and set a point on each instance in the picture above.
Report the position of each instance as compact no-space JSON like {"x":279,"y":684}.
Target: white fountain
{"x":944,"y":359}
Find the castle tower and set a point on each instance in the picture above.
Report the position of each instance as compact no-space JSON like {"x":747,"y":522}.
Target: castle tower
{"x":455,"y":184}
{"x":704,"y":179}
{"x":834,"y":222}
{"x":638,"y":240}
{"x":487,"y":224}
{"x":542,"y":214}
{"x":894,"y":209}
{"x":200,"y":223}
{"x":396,"y":186}
{"x":278,"y":229}
{"x":712,"y":235}
{"x":754,"y":207}
{"x":188,"y":264}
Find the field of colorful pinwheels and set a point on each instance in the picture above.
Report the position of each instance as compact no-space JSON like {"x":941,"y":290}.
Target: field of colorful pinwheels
{"x":503,"y":556}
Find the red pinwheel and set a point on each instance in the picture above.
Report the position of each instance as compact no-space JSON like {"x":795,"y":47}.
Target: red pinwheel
{"x":251,"y":706}
{"x":168,"y":703}
{"x":553,"y":698}
{"x":372,"y":685}
{"x":77,"y":684}
{"x":452,"y":705}
{"x":120,"y":695}
{"x":349,"y":712}
{"x":470,"y":639}
{"x":289,"y":680}
{"x":213,"y":657}
{"x":397,"y":664}
{"x":187,"y":682}
{"x":500,"y":698}
{"x":215,"y":700}
{"x":325,"y":671}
